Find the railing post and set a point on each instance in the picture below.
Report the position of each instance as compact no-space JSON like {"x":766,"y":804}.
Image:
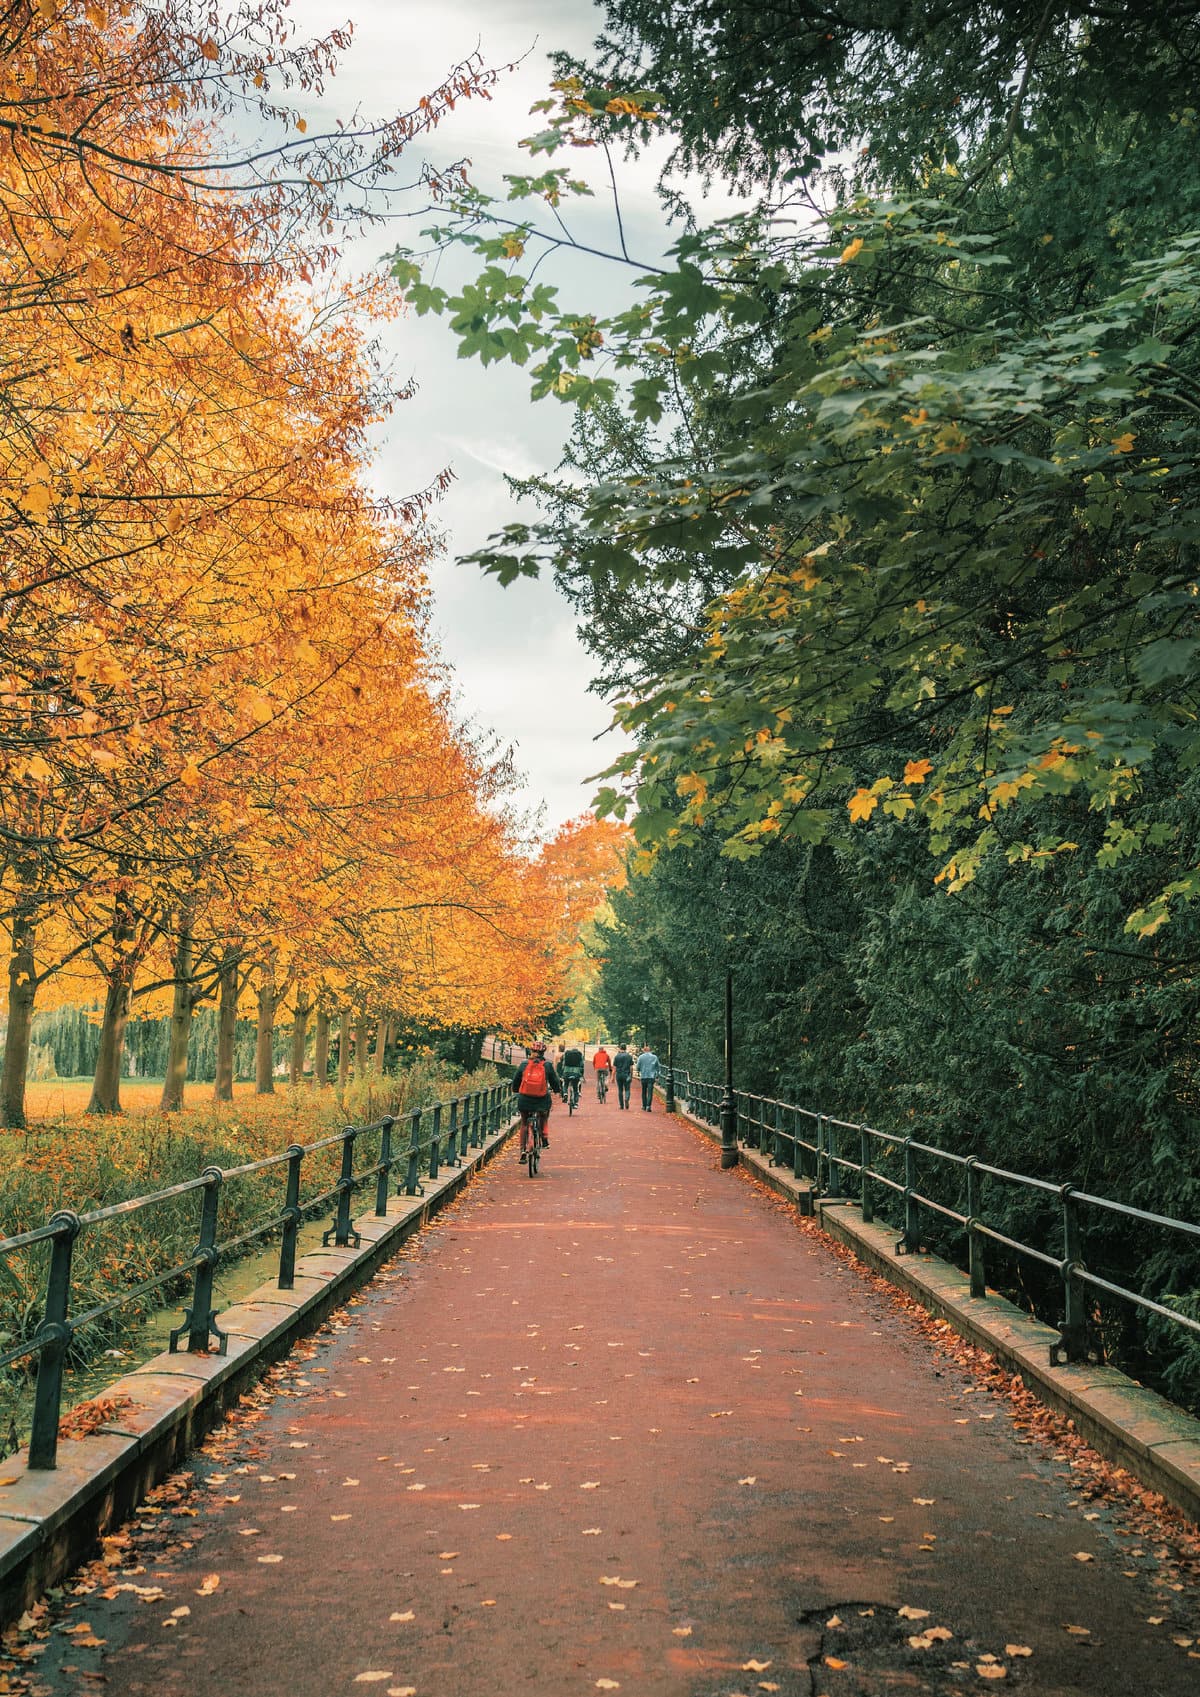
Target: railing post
{"x":820,"y":1155}
{"x":341,"y":1231}
{"x":912,"y":1228}
{"x":435,"y":1151}
{"x":975,"y":1260}
{"x":864,"y":1161}
{"x":777,"y":1137}
{"x":473,"y":1116}
{"x":412,"y":1183}
{"x":291,"y":1219}
{"x":200,"y":1320}
{"x":834,"y":1189}
{"x":797,"y":1150}
{"x":1073,"y":1342}
{"x":383,"y":1182}
{"x":54,"y":1335}
{"x":452,"y":1139}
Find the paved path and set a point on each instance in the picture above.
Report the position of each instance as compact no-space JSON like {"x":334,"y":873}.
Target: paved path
{"x":624,"y":1427}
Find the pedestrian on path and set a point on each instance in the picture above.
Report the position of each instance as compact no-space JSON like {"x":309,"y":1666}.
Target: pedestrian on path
{"x":647,"y":1069}
{"x":623,"y":1073}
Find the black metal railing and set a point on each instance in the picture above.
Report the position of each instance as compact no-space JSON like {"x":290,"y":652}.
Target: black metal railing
{"x":840,"y":1156}
{"x":436,"y":1137}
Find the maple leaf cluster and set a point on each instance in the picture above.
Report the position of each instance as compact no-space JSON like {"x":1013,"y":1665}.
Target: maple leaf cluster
{"x":227,"y":755}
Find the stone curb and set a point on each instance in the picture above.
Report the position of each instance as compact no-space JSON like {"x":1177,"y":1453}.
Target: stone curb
{"x":1127,"y":1423}
{"x":50,"y":1520}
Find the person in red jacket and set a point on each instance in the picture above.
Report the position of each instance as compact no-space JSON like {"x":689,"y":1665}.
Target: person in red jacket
{"x":539,"y":1075}
{"x":602,"y":1062}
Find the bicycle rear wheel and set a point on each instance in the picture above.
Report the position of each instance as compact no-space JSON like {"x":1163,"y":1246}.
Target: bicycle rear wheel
{"x":535,"y":1144}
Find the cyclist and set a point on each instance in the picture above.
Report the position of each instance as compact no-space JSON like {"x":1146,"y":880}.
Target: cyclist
{"x":572,"y":1070}
{"x":602,"y":1062}
{"x":532,"y":1084}
{"x":623,"y":1073}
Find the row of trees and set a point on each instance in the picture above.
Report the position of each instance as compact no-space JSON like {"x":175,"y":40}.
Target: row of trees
{"x":230,"y":770}
{"x":905,"y":456}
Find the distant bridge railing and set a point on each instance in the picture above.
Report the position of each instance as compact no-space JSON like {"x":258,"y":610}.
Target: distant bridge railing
{"x":437,"y":1136}
{"x":834,"y":1154}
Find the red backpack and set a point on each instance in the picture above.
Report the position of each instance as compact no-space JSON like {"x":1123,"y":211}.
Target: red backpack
{"x":533,"y":1079}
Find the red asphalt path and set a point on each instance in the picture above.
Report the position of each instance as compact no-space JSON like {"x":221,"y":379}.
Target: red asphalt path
{"x":625,"y":1427}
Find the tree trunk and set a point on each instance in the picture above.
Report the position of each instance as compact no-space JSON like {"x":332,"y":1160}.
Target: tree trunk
{"x":321,"y":1050}
{"x":226,"y":1027}
{"x":182,"y":1007}
{"x":381,"y":1037}
{"x":128,"y":949}
{"x":22,"y":991}
{"x":343,"y":1049}
{"x":360,"y":1044}
{"x":299,"y":1036}
{"x":264,"y":1052}
{"x":106,"y":1084}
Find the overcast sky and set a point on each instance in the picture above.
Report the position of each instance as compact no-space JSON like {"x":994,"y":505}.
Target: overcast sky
{"x":521,"y":671}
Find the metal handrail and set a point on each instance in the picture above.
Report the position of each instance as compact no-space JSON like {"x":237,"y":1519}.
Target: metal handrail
{"x":763,"y":1123}
{"x":472,"y":1118}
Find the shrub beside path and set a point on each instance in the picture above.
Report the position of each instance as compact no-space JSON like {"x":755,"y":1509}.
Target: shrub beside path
{"x":623,"y":1427}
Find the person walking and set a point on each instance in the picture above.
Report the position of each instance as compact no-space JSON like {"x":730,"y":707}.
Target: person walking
{"x":623,"y":1073}
{"x":647,"y":1071}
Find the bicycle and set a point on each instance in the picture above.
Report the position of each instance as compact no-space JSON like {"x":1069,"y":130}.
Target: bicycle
{"x":536,"y":1143}
{"x":572,"y":1093}
{"x":601,"y":1086}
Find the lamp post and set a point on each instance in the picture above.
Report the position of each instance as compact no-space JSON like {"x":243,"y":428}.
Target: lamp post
{"x":729,"y":1148}
{"x":645,"y":1017}
{"x":670,"y":1100}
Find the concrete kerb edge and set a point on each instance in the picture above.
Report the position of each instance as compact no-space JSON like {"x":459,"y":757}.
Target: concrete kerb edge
{"x":1105,"y":1405}
{"x":49,"y":1521}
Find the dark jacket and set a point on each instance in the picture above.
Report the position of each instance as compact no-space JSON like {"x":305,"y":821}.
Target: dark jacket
{"x":623,"y":1065}
{"x":552,"y":1079}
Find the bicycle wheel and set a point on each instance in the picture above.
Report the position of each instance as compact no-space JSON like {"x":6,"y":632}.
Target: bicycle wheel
{"x":535,"y":1144}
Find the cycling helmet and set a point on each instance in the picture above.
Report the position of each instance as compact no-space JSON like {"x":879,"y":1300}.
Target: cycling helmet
{"x":537,"y":1048}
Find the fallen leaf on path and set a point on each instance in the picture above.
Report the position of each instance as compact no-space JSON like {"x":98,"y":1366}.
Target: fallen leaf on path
{"x":622,"y":1584}
{"x":752,"y":1479}
{"x":990,"y":1670}
{"x":270,"y":1558}
{"x":504,"y":1537}
{"x":681,"y":1631}
{"x":476,"y":1505}
{"x":409,"y":1614}
{"x":588,"y":1485}
{"x":341,"y":1517}
{"x":755,"y":1667}
{"x":909,"y":1613}
{"x":1017,"y":1650}
{"x":619,"y":1608}
{"x":925,"y":1502}
{"x":833,"y":1662}
{"x":210,"y":1583}
{"x":1082,"y":1555}
{"x":401,"y":1691}
{"x":608,"y":1685}
{"x":591,"y":1532}
{"x":834,"y":1620}
{"x":1079,"y":1631}
{"x":720,"y":1414}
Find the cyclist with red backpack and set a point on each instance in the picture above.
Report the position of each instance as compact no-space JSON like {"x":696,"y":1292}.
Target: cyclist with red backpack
{"x":533,"y":1082}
